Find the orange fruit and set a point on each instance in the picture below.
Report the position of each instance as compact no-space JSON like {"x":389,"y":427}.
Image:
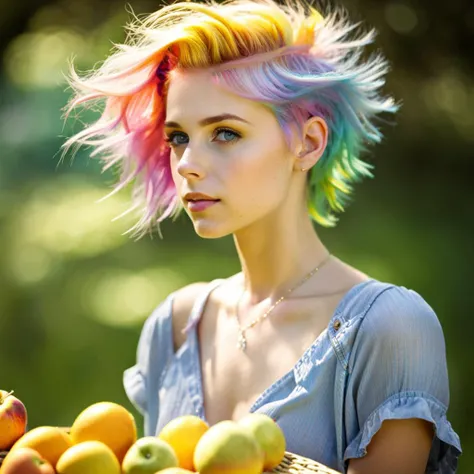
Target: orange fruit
{"x":183,"y":434}
{"x":49,"y":441}
{"x":89,"y":457}
{"x":108,"y":423}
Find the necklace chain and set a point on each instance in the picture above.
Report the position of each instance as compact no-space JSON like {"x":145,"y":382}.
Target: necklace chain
{"x":242,"y":340}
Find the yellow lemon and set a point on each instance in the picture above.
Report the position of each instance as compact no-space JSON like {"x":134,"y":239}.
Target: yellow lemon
{"x":89,"y":457}
{"x":183,"y":434}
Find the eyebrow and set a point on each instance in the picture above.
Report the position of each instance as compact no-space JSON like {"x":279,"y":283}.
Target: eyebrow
{"x":210,"y":120}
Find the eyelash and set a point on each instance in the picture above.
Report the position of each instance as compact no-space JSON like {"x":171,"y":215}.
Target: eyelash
{"x":217,"y":131}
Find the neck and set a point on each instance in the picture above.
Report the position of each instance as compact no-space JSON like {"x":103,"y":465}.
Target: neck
{"x":276,"y":256}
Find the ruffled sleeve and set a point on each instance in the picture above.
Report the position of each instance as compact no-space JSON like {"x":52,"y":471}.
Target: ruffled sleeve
{"x":154,"y":348}
{"x":398,"y":370}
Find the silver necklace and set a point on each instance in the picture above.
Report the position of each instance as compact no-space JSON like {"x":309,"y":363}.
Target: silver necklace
{"x":242,"y":340}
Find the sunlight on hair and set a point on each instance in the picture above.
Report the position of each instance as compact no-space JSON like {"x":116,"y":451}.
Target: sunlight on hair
{"x":295,"y":61}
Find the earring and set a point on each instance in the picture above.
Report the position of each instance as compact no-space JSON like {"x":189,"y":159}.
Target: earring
{"x":300,"y":155}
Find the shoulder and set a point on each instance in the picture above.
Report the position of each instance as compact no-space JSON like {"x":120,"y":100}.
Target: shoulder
{"x":182,"y":304}
{"x":399,"y":321}
{"x":171,"y":315}
{"x":217,"y":293}
{"x":184,"y":298}
{"x":398,"y":352}
{"x":398,"y":309}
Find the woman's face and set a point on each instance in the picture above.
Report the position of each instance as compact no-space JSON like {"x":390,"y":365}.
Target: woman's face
{"x":228,"y":148}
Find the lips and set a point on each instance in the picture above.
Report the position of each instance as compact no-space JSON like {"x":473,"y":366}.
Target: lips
{"x":199,"y":197}
{"x":201,"y":205}
{"x":197,"y":202}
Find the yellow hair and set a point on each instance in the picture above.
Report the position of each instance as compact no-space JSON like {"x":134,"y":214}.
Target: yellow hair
{"x":320,"y":75}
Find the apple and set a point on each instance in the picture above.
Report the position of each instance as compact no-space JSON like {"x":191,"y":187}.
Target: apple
{"x":13,"y":419}
{"x":26,"y":461}
{"x":270,"y":437}
{"x":149,"y":455}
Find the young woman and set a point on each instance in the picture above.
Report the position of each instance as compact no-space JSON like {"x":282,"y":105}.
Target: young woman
{"x":251,"y":117}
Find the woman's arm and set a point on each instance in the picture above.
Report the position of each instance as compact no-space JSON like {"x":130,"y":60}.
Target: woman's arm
{"x":397,"y":377}
{"x":400,"y":446}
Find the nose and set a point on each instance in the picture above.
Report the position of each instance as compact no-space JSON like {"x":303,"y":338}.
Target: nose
{"x":190,"y":166}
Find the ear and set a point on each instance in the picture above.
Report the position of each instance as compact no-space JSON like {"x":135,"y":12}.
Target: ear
{"x":313,"y":144}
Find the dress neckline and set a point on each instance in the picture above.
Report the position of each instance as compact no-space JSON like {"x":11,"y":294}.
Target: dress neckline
{"x":194,"y":345}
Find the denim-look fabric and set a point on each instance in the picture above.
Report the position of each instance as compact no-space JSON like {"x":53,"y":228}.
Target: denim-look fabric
{"x":381,"y":357}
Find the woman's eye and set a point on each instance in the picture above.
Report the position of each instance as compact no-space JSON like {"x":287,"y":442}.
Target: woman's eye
{"x":177,"y":139}
{"x":222,"y":135}
{"x":225,"y":135}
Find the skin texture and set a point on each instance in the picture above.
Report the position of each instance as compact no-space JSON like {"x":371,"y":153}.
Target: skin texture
{"x":258,"y":179}
{"x":399,"y":446}
{"x":248,"y":166}
{"x":224,"y":165}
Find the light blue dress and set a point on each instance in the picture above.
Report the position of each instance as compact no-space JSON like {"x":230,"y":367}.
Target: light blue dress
{"x":381,"y":357}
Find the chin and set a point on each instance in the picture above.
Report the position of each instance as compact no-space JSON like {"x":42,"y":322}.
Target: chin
{"x":209,"y":230}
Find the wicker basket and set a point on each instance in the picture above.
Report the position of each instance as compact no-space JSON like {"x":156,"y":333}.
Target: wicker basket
{"x":291,"y":464}
{"x":294,"y":464}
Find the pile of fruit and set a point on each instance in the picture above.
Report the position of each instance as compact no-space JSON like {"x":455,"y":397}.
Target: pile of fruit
{"x":103,"y":440}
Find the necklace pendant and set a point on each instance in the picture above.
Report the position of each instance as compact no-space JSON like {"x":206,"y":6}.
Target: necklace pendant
{"x":242,"y":341}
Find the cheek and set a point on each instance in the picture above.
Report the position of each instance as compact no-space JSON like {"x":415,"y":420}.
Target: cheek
{"x":263,"y":175}
{"x":174,"y":168}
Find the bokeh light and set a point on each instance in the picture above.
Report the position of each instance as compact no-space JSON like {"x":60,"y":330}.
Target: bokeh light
{"x":75,"y":289}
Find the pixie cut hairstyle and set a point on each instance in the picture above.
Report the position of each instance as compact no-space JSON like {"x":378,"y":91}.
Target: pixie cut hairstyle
{"x":288,"y":57}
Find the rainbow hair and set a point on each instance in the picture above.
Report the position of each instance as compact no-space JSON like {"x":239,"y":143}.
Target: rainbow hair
{"x":287,"y":57}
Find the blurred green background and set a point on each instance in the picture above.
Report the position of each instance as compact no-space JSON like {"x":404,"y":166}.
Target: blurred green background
{"x":74,"y":291}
